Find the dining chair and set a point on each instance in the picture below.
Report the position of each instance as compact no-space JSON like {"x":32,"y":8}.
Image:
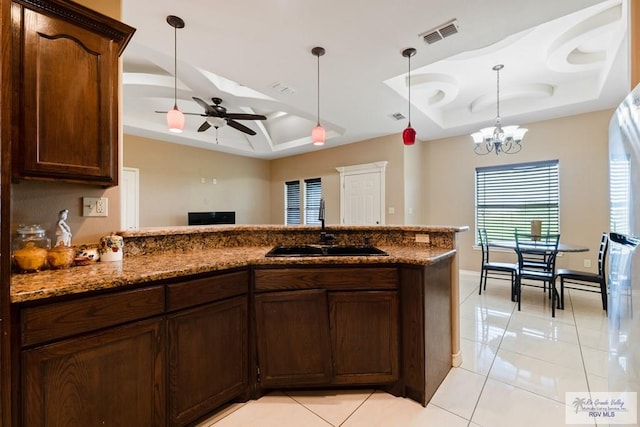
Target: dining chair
{"x":537,"y":262}
{"x":584,"y":280}
{"x":500,"y":268}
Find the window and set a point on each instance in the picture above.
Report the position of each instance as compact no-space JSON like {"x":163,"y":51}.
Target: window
{"x":292,"y":202}
{"x":620,"y":194}
{"x":312,"y":196}
{"x":311,"y":203}
{"x":509,"y":197}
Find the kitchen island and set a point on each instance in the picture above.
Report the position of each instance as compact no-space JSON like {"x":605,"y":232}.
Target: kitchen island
{"x":201,"y":317}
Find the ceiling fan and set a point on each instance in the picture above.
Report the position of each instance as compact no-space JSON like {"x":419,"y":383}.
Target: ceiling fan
{"x":223,"y":117}
{"x":220,"y":116}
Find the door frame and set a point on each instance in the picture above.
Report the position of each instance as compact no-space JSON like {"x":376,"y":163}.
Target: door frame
{"x":365,"y":168}
{"x":124,"y":207}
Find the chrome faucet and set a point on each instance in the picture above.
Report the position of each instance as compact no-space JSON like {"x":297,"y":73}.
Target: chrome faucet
{"x":324,"y":237}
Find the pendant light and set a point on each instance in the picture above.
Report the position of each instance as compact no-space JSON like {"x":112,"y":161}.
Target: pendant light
{"x":318,"y":133}
{"x":175,"y":118}
{"x":409,"y":134}
{"x":498,"y":139}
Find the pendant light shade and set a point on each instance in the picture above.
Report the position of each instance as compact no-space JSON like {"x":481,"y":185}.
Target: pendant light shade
{"x":175,"y":118}
{"x":409,"y":134}
{"x":318,"y":133}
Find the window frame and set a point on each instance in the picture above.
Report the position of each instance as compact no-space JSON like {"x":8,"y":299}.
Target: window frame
{"x":304,"y":208}
{"x":508,"y":197}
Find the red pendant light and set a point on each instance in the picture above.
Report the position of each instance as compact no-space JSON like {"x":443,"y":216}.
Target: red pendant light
{"x":175,"y":118}
{"x":318,"y":133}
{"x":409,"y":134}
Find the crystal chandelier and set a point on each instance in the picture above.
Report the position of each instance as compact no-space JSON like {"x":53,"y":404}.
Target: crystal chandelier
{"x":498,"y":139}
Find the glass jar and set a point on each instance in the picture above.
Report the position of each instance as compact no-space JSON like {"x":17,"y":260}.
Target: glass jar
{"x":30,"y":247}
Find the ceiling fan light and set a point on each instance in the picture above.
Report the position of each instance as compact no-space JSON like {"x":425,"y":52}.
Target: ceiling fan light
{"x":175,"y":120}
{"x":318,"y":135}
{"x":409,"y":136}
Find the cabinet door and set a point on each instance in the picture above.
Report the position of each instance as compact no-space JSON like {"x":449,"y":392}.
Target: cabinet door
{"x":113,"y":378}
{"x":364,"y":336}
{"x":208,"y":358}
{"x":67,"y":111}
{"x":292,"y":331}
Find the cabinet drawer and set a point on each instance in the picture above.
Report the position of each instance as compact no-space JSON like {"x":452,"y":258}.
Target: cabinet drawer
{"x":353,"y":278}
{"x":207,"y":289}
{"x":61,"y":319}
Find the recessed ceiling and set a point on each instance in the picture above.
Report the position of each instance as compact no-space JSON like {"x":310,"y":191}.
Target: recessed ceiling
{"x":561,"y":58}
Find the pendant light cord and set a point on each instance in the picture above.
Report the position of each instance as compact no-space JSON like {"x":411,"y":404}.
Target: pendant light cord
{"x":175,"y":68}
{"x":409,"y":85}
{"x":318,"y":98}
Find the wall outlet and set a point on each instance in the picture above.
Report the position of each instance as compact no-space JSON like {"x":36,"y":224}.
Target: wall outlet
{"x":95,"y":206}
{"x":422,"y":238}
{"x":587,"y":263}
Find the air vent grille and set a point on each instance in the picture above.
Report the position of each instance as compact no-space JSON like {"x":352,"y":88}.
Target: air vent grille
{"x":398,"y":116}
{"x":437,"y":34}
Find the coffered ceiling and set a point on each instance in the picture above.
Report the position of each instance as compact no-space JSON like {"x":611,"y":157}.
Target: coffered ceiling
{"x":560,"y":58}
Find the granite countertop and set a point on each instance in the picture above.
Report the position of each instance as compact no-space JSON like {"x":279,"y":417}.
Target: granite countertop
{"x":147,"y":268}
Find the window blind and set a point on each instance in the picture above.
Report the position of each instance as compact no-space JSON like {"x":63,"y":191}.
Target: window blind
{"x":292,"y":202}
{"x":619,"y":194}
{"x":312,"y":196}
{"x":509,"y":197}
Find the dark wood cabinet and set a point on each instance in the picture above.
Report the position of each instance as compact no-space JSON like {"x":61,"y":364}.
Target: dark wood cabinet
{"x":342,"y":333}
{"x":364,"y":336}
{"x":109,"y":378}
{"x":65,"y":74}
{"x":208,"y":344}
{"x":293,"y":338}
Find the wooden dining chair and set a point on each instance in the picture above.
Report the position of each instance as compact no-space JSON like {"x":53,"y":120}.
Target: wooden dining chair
{"x":584,"y":280}
{"x":537,"y":262}
{"x":502,"y":269}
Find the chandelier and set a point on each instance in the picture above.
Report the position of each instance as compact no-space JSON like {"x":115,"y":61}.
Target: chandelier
{"x":497,"y":138}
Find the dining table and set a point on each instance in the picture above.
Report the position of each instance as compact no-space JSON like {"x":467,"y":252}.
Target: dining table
{"x":562,"y":247}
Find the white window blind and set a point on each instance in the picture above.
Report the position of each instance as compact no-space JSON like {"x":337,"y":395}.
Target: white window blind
{"x":312,"y":196}
{"x":509,"y":197}
{"x":292,"y":202}
{"x":619,"y":194}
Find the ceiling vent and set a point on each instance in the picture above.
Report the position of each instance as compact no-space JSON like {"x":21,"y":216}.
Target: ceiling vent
{"x":398,"y":116}
{"x":437,"y":34}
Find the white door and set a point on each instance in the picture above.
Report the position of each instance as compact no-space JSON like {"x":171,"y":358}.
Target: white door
{"x":130,"y":215}
{"x":362,"y":194}
{"x":362,"y":199}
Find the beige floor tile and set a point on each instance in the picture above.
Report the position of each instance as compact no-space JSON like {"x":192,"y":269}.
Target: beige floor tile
{"x":384,"y":410}
{"x":459,"y":392}
{"x":537,"y":376}
{"x":332,"y":406}
{"x":274,"y":410}
{"x":476,"y":356}
{"x":523,"y":324}
{"x":503,"y":405}
{"x":559,"y":352}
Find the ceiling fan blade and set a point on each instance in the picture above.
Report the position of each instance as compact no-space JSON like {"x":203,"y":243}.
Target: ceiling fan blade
{"x":242,"y":116}
{"x":185,"y":113}
{"x":240,"y":127}
{"x":207,"y":108}
{"x":204,"y":126}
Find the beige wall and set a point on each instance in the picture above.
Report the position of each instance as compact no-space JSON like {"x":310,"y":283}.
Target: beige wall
{"x":171,"y":182}
{"x":323,"y":163}
{"x":579,"y":142}
{"x":39,"y":202}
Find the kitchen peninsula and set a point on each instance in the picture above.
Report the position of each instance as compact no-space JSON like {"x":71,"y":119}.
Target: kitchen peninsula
{"x":195,"y":317}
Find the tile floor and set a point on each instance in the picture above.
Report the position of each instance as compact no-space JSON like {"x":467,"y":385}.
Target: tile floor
{"x":516,"y":369}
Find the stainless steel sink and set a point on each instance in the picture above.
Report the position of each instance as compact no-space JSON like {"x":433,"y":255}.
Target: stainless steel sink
{"x":322,"y":250}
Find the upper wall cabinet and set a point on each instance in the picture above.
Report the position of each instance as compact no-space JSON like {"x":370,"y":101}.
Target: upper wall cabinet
{"x":65,"y":85}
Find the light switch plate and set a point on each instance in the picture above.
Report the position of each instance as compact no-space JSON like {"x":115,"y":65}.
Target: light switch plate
{"x":95,"y":206}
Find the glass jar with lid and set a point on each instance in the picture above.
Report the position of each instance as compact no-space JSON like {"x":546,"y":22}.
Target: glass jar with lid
{"x":30,"y":247}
